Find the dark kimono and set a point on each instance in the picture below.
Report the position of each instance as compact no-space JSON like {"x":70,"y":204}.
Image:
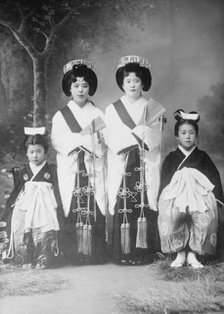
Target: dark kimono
{"x":200,"y":161}
{"x":30,"y":241}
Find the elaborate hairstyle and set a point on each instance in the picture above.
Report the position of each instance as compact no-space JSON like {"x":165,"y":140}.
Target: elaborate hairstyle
{"x":139,"y":65}
{"x":79,"y":68}
{"x":34,"y":136}
{"x":182,"y":117}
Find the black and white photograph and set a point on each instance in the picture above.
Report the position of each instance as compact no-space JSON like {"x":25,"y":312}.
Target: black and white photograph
{"x":111,"y":156}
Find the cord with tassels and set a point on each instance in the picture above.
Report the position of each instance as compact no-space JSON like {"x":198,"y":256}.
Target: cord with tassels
{"x":125,"y":226}
{"x":94,"y":166}
{"x":141,"y":237}
{"x":79,"y":223}
{"x":87,"y":228}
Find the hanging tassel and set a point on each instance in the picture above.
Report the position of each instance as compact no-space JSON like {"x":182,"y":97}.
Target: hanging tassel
{"x":125,"y":238}
{"x":79,"y":236}
{"x":141,"y":238}
{"x":87,"y":239}
{"x":139,"y":233}
{"x":90,"y":240}
{"x":144,"y":233}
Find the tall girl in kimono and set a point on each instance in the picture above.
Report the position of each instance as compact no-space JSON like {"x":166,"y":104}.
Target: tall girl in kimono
{"x":77,"y":139}
{"x":133,"y":137}
{"x":31,"y":211}
{"x":191,"y":186}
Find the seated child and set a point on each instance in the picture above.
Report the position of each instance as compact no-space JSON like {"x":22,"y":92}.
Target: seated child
{"x":191,"y":186}
{"x":31,"y":210}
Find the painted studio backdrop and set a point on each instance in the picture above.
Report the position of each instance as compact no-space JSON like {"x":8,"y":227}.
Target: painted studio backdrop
{"x":182,"y":39}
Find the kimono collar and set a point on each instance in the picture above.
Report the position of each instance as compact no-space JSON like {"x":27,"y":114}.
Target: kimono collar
{"x":138,"y":103}
{"x":75,"y":107}
{"x":186,"y":152}
{"x":134,"y":109}
{"x":36,"y":169}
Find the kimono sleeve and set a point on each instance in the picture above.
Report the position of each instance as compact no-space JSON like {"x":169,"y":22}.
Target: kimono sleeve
{"x":150,"y":136}
{"x":60,"y":212}
{"x":63,"y":140}
{"x":18,"y":186}
{"x":167,"y":172}
{"x":212,"y":173}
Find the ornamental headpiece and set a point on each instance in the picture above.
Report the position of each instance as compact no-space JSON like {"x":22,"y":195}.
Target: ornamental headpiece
{"x":68,"y":66}
{"x":134,"y":59}
{"x":34,"y":131}
{"x":180,"y":114}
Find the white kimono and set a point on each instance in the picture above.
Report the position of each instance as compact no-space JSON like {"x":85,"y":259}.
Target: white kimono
{"x":119,"y":136}
{"x":65,"y":141}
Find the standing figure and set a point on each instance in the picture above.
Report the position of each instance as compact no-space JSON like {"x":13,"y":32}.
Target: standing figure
{"x":32,"y":212}
{"x":77,"y":139}
{"x":133,"y":137}
{"x":190,"y":185}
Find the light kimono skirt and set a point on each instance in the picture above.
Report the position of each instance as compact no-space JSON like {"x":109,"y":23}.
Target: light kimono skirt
{"x":39,"y":204}
{"x":35,"y":207}
{"x":188,"y":213}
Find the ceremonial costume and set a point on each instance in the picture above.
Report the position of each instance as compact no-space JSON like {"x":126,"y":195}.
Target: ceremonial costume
{"x":133,"y":137}
{"x":77,"y":139}
{"x":190,"y":188}
{"x":206,"y":187}
{"x":32,"y":216}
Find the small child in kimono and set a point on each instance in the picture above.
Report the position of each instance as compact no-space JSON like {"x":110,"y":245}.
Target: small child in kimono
{"x":190,"y":191}
{"x":31,"y":210}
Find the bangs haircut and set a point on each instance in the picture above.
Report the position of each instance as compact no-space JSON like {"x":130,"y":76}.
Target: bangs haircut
{"x":143,"y":73}
{"x":36,"y":139}
{"x":79,"y":71}
{"x":181,"y":122}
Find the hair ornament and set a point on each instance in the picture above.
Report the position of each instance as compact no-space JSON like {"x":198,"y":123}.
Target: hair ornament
{"x":33,"y":131}
{"x":180,"y":114}
{"x":68,"y":66}
{"x":134,"y":59}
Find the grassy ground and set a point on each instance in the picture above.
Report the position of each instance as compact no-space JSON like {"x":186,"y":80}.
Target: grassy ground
{"x":182,"y":290}
{"x":16,"y":281}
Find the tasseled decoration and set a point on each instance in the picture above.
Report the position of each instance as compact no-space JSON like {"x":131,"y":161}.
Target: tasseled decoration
{"x":125,"y":238}
{"x":79,"y":236}
{"x":141,"y":238}
{"x":87,"y":239}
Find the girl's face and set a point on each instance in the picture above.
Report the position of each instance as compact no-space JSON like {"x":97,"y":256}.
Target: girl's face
{"x":187,"y":136}
{"x":35,"y":154}
{"x":80,"y":91}
{"x":132,"y":86}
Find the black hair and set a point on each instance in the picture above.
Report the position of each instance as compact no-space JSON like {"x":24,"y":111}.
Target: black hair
{"x":79,"y":70}
{"x":181,"y":122}
{"x":36,"y":139}
{"x":143,"y":73}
